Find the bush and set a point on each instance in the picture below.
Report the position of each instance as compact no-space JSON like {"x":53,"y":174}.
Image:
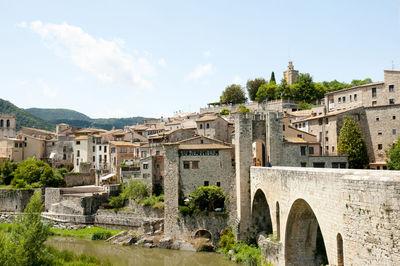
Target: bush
{"x":134,"y":190}
{"x":185,"y":210}
{"x":117,"y":202}
{"x":206,"y":198}
{"x":224,"y":112}
{"x":101,"y":235}
{"x":7,"y":169}
{"x":304,"y":105}
{"x":243,"y":109}
{"x":250,"y":255}
{"x":227,"y":241}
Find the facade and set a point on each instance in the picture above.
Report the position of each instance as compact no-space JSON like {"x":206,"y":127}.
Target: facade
{"x":12,"y":149}
{"x":122,"y":152}
{"x":7,"y":126}
{"x":213,"y":127}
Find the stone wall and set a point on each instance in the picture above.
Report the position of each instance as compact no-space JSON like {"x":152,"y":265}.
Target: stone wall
{"x":83,"y":179}
{"x":362,"y":207}
{"x":14,"y":200}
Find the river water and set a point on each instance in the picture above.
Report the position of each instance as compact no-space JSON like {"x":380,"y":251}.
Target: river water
{"x":132,"y":255}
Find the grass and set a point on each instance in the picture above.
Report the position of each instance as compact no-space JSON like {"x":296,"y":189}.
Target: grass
{"x":93,"y":233}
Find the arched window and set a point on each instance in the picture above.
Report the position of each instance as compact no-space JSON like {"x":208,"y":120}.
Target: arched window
{"x":8,"y":123}
{"x":1,"y":123}
{"x":208,"y":125}
{"x":201,"y":126}
{"x":339,"y":240}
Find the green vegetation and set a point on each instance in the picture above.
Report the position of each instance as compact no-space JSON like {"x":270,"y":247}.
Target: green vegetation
{"x":243,"y":109}
{"x":93,"y":233}
{"x":7,"y":169}
{"x":24,"y":118}
{"x":272,"y":79}
{"x":74,"y":118}
{"x":252,"y":87}
{"x":35,"y":174}
{"x":203,"y":199}
{"x":267,"y":92}
{"x":233,"y":94}
{"x":243,"y":252}
{"x":138,"y":191}
{"x":304,"y":106}
{"x":224,"y":112}
{"x":394,"y":156}
{"x":352,"y":144}
{"x":23,"y":242}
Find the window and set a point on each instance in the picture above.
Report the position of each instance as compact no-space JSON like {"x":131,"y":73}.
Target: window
{"x":339,"y":100}
{"x":78,"y":142}
{"x":77,"y":161}
{"x":394,"y":117}
{"x":186,"y":165}
{"x":113,"y":150}
{"x":373,"y":103}
{"x":302,"y":164}
{"x":218,"y":184}
{"x":350,"y":98}
{"x":8,"y":123}
{"x":344,"y":99}
{"x":201,"y":141}
{"x":122,"y":150}
{"x":394,"y":132}
{"x":145,"y":166}
{"x":303,"y":150}
{"x":195,"y":164}
{"x":105,"y":158}
{"x":379,"y":132}
{"x":64,"y":156}
{"x":379,"y":146}
{"x":78,"y":153}
{"x":327,"y":148}
{"x":20,"y":145}
{"x":105,"y":148}
{"x":326,"y":120}
{"x":319,"y":165}
{"x":100,"y":158}
{"x":16,"y":145}
{"x":373,"y":92}
{"x":99,"y":148}
{"x":201,"y":126}
{"x":208,"y":125}
{"x":2,"y":123}
{"x":157,"y":166}
{"x":94,"y":148}
{"x":391,"y":88}
{"x":377,"y":118}
{"x":283,"y":127}
{"x":333,"y":148}
{"x":206,"y":183}
{"x":131,"y":150}
{"x":391,"y":101}
{"x":358,"y":117}
{"x":355,"y":97}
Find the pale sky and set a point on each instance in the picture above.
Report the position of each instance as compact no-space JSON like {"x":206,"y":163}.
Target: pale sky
{"x":151,"y":58}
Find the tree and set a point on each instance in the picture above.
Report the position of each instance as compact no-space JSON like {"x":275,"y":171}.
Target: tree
{"x":233,"y":94}
{"x":320,"y":91}
{"x":243,"y":109}
{"x":285,"y":91}
{"x":267,"y":92}
{"x":358,"y":82}
{"x":252,"y":87}
{"x":352,"y":144}
{"x":207,"y":198}
{"x":335,"y":85}
{"x":272,"y":79}
{"x":224,"y":112}
{"x":35,"y":173}
{"x":304,"y":88}
{"x":394,"y":156}
{"x":7,"y":169}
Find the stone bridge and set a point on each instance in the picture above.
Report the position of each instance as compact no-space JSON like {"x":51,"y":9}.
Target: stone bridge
{"x":326,"y":216}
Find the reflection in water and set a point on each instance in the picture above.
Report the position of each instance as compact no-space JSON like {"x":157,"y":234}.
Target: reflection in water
{"x":132,"y":255}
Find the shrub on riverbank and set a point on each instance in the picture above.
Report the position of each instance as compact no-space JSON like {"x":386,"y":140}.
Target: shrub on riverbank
{"x":243,"y":252}
{"x":203,"y":200}
{"x":93,"y":233}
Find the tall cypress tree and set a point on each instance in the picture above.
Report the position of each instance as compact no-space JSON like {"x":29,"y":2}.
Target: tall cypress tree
{"x":272,"y":79}
{"x":352,"y":144}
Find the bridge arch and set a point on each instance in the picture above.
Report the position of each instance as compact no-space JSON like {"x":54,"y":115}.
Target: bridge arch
{"x":260,"y":214}
{"x":304,"y":243}
{"x":340,"y":255}
{"x":203,"y":233}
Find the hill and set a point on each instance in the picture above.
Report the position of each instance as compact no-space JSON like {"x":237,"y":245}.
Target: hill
{"x":24,"y":118}
{"x":57,"y":114}
{"x":74,"y":118}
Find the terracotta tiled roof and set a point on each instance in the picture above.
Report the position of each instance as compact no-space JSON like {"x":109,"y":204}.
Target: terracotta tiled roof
{"x":207,"y":118}
{"x":203,"y":147}
{"x":82,"y":137}
{"x":124,"y":143}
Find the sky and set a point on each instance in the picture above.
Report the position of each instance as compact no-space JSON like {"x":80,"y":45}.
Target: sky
{"x":154,"y":58}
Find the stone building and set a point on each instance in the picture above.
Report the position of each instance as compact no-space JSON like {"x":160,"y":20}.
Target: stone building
{"x":122,"y":152}
{"x":12,"y":149}
{"x":290,"y":74}
{"x":213,"y":127}
{"x":7,"y":126}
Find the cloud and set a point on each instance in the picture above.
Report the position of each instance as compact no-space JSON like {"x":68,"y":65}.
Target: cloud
{"x":207,"y":53}
{"x":162,"y":62}
{"x":47,"y":91}
{"x":200,"y":71}
{"x":236,"y":80}
{"x":105,"y":59}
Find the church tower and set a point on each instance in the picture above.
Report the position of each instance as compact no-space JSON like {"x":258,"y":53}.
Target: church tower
{"x":290,"y":74}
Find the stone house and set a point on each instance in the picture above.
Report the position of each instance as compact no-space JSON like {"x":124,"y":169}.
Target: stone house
{"x":12,"y":149}
{"x":122,"y":152}
{"x":213,"y":127}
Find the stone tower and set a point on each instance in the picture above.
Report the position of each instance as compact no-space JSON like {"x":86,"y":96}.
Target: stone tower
{"x":7,"y":126}
{"x":290,"y":74}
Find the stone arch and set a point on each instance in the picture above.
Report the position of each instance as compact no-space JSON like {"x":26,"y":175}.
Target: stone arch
{"x":304,"y":243}
{"x":278,"y":221}
{"x":258,"y":148}
{"x":203,"y":233}
{"x":260,"y":214}
{"x":340,"y":255}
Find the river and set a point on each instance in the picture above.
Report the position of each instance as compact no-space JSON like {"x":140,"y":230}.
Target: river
{"x":132,"y":255}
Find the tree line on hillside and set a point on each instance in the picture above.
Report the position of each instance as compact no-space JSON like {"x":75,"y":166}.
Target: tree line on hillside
{"x":304,"y":89}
